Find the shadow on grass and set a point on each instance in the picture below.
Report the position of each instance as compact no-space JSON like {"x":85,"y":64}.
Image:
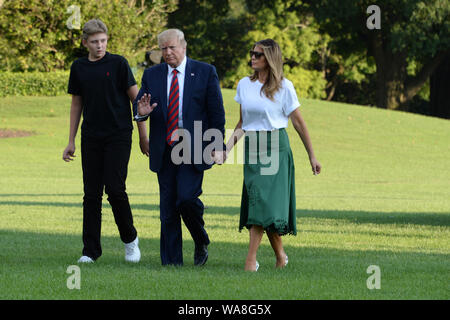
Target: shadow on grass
{"x":72,"y":204}
{"x":34,"y":267}
{"x":358,"y":217}
{"x":131,"y":194}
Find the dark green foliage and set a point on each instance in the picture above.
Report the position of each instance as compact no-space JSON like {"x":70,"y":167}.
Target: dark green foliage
{"x":412,"y":41}
{"x":34,"y":35}
{"x":329,"y":52}
{"x":33,"y":83}
{"x":214,"y":30}
{"x":40,"y":83}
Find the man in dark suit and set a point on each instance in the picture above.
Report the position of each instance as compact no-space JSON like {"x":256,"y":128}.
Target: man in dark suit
{"x":182,"y":98}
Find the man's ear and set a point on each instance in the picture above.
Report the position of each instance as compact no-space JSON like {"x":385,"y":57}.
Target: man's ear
{"x":84,"y":42}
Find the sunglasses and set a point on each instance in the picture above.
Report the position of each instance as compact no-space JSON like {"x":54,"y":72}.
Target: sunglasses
{"x":256,"y":54}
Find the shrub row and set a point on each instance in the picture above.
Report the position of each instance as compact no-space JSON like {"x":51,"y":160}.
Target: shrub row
{"x":33,"y":83}
{"x":38,"y":83}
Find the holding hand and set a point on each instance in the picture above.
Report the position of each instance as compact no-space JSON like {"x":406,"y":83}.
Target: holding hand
{"x":143,"y":105}
{"x":219,"y":157}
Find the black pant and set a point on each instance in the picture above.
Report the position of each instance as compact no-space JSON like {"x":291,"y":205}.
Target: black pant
{"x":105,"y":164}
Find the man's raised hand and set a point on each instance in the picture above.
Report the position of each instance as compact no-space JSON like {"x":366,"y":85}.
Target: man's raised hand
{"x":144,"y":108}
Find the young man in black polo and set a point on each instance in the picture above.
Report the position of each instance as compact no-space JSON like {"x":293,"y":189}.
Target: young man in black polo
{"x":102,"y":86}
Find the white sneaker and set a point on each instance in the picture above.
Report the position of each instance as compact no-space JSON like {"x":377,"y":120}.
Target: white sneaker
{"x":85,"y":259}
{"x":132,"y":252}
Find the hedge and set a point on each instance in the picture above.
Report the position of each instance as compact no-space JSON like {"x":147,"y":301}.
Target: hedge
{"x":39,"y":83}
{"x":33,"y":83}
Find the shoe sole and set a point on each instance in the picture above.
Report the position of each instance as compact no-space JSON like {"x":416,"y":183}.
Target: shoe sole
{"x":203,"y":263}
{"x":133,"y":260}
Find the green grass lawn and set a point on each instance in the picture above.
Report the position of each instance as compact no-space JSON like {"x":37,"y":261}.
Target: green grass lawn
{"x":383,"y":198}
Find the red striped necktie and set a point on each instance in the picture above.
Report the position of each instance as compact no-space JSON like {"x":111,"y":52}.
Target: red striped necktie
{"x":172,"y":115}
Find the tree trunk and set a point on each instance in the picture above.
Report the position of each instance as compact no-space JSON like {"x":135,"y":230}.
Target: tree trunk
{"x":413,"y":84}
{"x":394,"y":87}
{"x":439,"y":80}
{"x":389,"y":72}
{"x":333,"y":83}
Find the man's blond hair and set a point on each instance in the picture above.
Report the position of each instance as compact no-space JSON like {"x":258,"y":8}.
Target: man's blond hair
{"x":92,"y":27}
{"x":170,"y":34}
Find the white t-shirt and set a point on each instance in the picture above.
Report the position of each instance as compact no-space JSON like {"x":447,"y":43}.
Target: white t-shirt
{"x":259,"y":113}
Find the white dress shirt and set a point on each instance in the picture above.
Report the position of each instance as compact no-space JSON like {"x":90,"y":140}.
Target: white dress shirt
{"x":181,"y":73}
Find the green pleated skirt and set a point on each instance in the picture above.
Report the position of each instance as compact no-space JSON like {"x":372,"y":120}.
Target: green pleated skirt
{"x":268,"y":193}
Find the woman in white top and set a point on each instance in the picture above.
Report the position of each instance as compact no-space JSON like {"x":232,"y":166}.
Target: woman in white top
{"x":267,"y":101}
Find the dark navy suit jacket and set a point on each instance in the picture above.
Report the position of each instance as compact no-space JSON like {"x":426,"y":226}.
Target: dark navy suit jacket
{"x":202,"y":101}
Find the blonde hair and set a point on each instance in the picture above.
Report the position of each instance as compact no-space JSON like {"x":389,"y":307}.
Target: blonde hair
{"x":170,"y":34}
{"x":92,"y":27}
{"x":274,"y":58}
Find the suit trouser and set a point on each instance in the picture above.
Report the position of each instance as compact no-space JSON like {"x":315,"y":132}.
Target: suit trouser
{"x":179,"y":187}
{"x":105,"y":165}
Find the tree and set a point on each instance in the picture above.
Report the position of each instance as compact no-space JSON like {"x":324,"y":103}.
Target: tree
{"x":413,"y":32}
{"x":223,"y":32}
{"x":44,"y":35}
{"x":299,"y":39}
{"x":216,"y":34}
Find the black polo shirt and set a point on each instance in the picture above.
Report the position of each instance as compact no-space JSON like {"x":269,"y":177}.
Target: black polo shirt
{"x":103,"y":86}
